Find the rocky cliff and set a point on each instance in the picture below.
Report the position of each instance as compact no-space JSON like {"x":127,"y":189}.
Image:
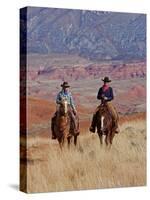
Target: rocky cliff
{"x":94,"y":35}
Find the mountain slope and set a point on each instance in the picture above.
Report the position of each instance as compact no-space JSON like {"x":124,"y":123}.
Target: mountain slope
{"x":92,"y":34}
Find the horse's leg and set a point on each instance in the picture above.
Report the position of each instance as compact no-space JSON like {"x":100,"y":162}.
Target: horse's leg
{"x":100,"y":138}
{"x":112,"y":134}
{"x":75,"y":140}
{"x":60,"y":144}
{"x":106,"y":139}
{"x":109,"y":140}
{"x":61,"y":141}
{"x":69,"y":141}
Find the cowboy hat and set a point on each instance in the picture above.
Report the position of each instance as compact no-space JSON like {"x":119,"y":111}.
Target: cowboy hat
{"x":106,"y":80}
{"x":65,"y":85}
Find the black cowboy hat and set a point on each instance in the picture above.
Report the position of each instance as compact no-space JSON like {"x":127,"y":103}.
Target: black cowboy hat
{"x":106,"y":80}
{"x":65,"y":85}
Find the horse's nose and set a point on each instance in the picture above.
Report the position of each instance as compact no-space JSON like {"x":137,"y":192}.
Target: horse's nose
{"x":102,"y":129}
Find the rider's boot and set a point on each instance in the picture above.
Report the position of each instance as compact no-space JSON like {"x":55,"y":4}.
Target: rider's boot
{"x":52,"y":128}
{"x":93,"y":124}
{"x":92,"y":129}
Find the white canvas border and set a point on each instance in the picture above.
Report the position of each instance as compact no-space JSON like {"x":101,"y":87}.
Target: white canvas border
{"x":9,"y":101}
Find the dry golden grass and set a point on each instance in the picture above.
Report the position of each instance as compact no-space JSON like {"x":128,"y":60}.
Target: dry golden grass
{"x":89,"y":165}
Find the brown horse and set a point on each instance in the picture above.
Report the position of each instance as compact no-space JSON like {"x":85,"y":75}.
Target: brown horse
{"x":62,"y":124}
{"x":105,"y":125}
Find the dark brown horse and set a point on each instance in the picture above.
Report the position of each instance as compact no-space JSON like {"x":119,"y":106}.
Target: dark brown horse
{"x":62,"y":124}
{"x":105,"y":125}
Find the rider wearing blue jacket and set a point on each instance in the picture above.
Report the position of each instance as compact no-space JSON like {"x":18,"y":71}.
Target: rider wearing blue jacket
{"x":105,"y":93}
{"x":68,"y":96}
{"x":72,"y":113}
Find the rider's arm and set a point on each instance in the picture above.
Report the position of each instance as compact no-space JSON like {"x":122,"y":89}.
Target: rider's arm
{"x":58,"y":98}
{"x":111,"y":96}
{"x":99,"y":95}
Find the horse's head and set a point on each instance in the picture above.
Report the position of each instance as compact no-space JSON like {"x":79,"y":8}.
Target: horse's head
{"x":63,"y":106}
{"x":104,"y":116}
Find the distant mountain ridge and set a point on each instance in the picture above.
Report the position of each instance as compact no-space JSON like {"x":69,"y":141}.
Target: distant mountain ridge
{"x":94,"y":35}
{"x":71,"y":68}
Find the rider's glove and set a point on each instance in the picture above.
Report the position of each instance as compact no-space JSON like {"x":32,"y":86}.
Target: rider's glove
{"x":105,"y":98}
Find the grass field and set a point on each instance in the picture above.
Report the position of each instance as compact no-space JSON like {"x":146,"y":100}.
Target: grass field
{"x":89,"y":165}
